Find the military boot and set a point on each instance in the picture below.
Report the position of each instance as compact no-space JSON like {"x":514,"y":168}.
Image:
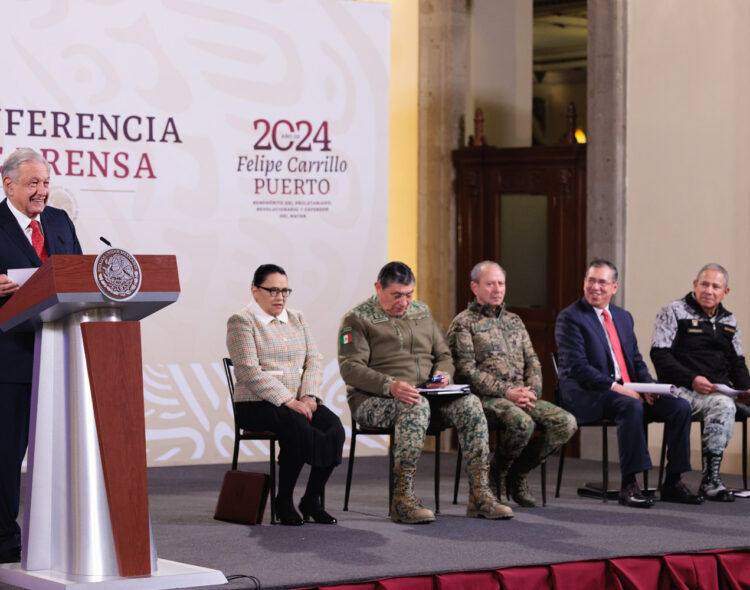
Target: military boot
{"x":517,"y":480}
{"x":498,"y":475}
{"x":405,"y":506}
{"x":518,"y":486}
{"x":482,"y":502}
{"x":712,"y":487}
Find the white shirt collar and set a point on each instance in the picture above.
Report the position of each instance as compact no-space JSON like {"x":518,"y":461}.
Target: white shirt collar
{"x":599,"y":313}
{"x":266,"y":318}
{"x":22,"y":220}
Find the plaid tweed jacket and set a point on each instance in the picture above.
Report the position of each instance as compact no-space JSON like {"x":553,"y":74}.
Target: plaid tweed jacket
{"x":277,"y":362}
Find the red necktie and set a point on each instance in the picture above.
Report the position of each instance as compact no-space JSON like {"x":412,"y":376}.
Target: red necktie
{"x":37,"y":240}
{"x":616,"y":348}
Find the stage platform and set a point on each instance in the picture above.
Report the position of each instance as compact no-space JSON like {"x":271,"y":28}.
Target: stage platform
{"x":366,"y":545}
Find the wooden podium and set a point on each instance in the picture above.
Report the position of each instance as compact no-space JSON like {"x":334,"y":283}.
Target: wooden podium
{"x":86,"y":518}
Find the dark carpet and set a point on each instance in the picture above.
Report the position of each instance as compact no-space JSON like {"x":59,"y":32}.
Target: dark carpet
{"x":367,"y":545}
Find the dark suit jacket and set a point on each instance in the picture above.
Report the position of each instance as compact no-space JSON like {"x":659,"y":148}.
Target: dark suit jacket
{"x":17,"y":349}
{"x":584,"y":361}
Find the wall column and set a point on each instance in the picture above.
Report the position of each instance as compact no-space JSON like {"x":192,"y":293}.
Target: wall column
{"x":442,"y":91}
{"x":605,"y":222}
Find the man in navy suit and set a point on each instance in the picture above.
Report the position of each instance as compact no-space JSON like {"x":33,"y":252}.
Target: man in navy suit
{"x":30,"y":232}
{"x":598,"y":357}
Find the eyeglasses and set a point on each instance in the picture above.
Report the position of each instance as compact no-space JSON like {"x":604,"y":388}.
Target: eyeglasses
{"x":601,"y":282}
{"x":274,"y":292}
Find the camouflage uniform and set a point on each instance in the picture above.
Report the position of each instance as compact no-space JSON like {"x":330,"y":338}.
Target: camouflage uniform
{"x":376,"y":349}
{"x":492,"y":352}
{"x":686,"y":344}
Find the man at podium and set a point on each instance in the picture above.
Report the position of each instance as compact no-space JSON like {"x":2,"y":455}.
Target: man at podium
{"x":30,"y":232}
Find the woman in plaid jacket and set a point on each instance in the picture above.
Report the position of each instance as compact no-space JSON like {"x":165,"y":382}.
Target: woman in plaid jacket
{"x":278,"y":372}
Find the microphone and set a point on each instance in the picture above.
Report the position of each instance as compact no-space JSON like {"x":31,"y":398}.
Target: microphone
{"x":105,"y":240}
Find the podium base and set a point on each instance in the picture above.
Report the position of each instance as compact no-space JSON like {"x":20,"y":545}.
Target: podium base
{"x":170,"y":574}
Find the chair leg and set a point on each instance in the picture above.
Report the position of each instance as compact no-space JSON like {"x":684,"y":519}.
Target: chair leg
{"x":437,"y":472}
{"x":645,"y":471}
{"x":543,"y":470}
{"x":662,"y":458}
{"x":605,"y":464}
{"x":744,"y":453}
{"x":560,"y":466}
{"x":500,"y":492}
{"x":350,"y":467}
{"x":458,"y":475}
{"x":391,"y":467}
{"x":236,"y":455}
{"x":272,"y":478}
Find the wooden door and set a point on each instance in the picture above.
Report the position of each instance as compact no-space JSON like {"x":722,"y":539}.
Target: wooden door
{"x":526,"y":209}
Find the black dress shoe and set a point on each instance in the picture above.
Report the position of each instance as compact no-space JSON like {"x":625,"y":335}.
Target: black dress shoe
{"x":312,"y":510}
{"x":678,"y":492}
{"x":11,"y":555}
{"x":287,"y":515}
{"x":631,"y":496}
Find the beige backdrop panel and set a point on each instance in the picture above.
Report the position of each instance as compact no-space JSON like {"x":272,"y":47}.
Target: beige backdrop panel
{"x":194,"y":91}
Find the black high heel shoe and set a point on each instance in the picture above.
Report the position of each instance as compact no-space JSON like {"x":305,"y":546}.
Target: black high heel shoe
{"x":312,"y":510}
{"x":287,"y":515}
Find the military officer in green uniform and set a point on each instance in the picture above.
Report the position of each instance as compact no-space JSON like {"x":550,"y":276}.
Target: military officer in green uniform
{"x":492,"y":352}
{"x":387,"y":345}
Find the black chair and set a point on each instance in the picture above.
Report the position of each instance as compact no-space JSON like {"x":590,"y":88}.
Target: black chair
{"x":741,"y":416}
{"x":433,"y":430}
{"x":241,"y":434}
{"x":496,"y":430}
{"x":604,"y":424}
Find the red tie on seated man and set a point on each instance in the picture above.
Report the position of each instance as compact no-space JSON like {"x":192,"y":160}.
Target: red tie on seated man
{"x":616,"y":347}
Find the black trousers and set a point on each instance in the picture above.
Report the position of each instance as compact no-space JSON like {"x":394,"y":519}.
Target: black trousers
{"x":629,"y":414}
{"x":318,"y":443}
{"x":15,"y":400}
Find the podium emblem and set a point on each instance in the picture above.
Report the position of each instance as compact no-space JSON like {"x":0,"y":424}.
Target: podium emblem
{"x":117,"y":274}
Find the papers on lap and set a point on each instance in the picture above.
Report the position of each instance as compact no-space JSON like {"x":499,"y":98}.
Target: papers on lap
{"x":449,"y":390}
{"x":671,"y":390}
{"x":658,"y":388}
{"x":726,"y":390}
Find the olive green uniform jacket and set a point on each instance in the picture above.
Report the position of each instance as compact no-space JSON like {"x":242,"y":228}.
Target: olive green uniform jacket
{"x":376,"y":349}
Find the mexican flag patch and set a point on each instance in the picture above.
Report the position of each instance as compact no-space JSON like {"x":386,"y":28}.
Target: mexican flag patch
{"x":346,"y":339}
